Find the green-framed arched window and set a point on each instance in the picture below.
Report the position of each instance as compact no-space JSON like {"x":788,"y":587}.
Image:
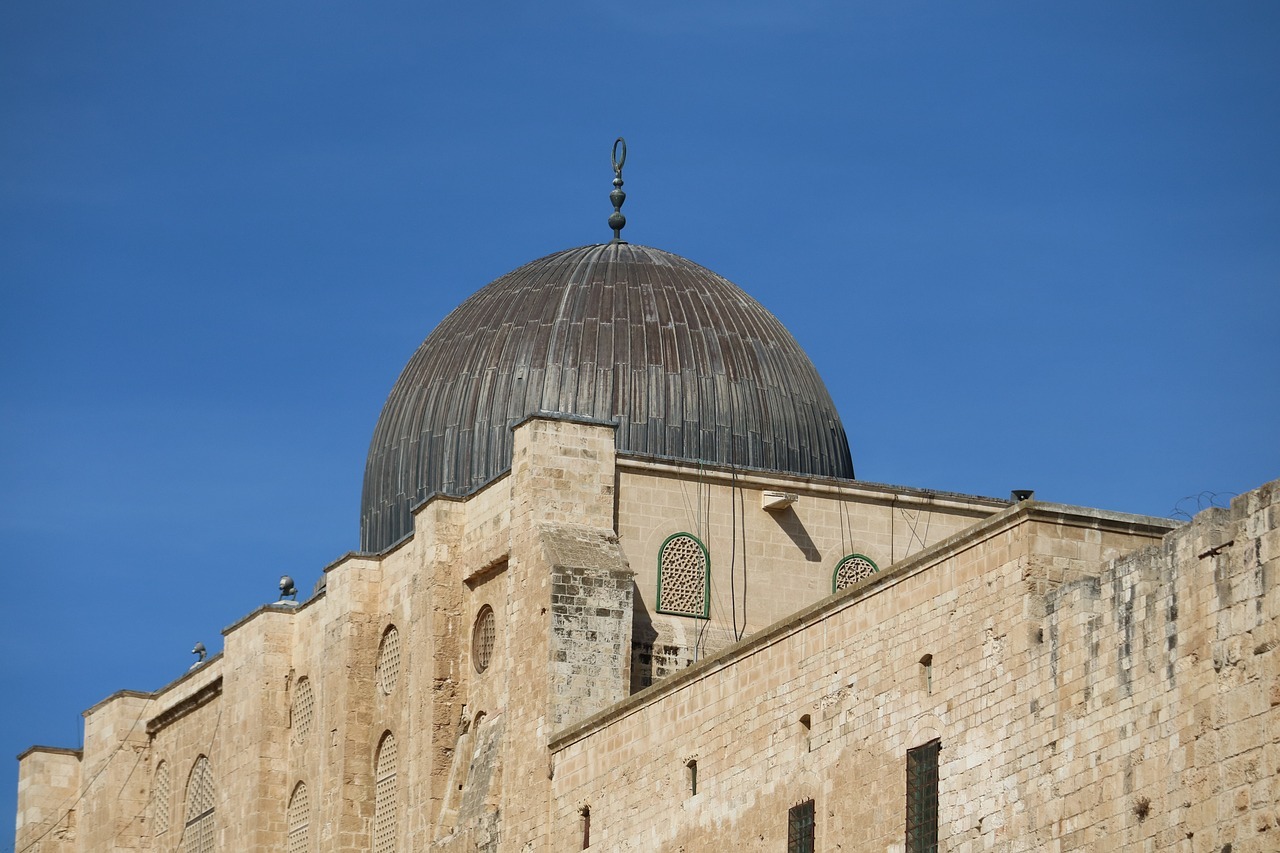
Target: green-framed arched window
{"x":852,"y":569}
{"x":684,"y":576}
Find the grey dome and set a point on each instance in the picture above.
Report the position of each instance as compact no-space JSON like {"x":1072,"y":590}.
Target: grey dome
{"x":686,"y":364}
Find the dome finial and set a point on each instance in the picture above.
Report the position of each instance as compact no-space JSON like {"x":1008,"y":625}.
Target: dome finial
{"x":616,"y":220}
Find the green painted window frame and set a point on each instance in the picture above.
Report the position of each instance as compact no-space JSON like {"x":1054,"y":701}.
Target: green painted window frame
{"x":706,"y":578}
{"x":922,"y":797}
{"x":835,"y":573}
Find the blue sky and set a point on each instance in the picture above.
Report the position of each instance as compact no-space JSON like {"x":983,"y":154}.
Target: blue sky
{"x":1028,"y":245}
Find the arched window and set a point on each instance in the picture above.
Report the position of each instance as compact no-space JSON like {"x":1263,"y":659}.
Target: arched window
{"x":384,"y":796}
{"x":197,"y":833}
{"x":161,"y":791}
{"x":302,"y":714}
{"x":852,"y":569}
{"x":684,"y":577}
{"x":387,"y":672}
{"x":298,"y":819}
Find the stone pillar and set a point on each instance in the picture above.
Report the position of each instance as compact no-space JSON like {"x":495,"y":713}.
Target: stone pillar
{"x":562,"y":534}
{"x":591,"y":606}
{"x":116,"y":772}
{"x":251,"y":759}
{"x":48,"y":782}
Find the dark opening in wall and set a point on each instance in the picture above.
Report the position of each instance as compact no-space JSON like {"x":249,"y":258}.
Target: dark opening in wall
{"x":585,"y":816}
{"x":926,"y":673}
{"x":691,"y":773}
{"x":805,"y":731}
{"x":800,"y":825}
{"x":922,"y":797}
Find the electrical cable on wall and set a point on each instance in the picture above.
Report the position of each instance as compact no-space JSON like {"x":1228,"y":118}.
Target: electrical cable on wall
{"x":912,"y":526}
{"x":85,"y":790}
{"x":742,"y":513}
{"x":136,"y":762}
{"x":733,"y":550}
{"x":703,"y":525}
{"x":846,"y":542}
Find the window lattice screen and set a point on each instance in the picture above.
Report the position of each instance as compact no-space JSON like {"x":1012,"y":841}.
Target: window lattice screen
{"x":298,"y":819}
{"x":197,"y":835}
{"x":161,"y":791}
{"x":384,"y":797}
{"x":482,"y":638}
{"x":682,"y":576}
{"x":852,"y":569}
{"x":388,"y":670}
{"x":304,"y":708}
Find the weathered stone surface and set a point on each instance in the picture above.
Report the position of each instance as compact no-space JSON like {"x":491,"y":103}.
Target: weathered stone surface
{"x":1097,"y":680}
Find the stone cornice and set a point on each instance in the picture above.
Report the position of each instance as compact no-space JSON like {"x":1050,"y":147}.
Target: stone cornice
{"x":195,"y":701}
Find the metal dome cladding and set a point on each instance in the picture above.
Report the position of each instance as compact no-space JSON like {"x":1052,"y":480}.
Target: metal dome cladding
{"x":686,"y":364}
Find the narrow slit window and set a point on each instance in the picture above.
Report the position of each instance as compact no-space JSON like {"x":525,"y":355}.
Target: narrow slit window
{"x":691,"y":772}
{"x":922,"y":798}
{"x":800,"y":828}
{"x":926,"y":673}
{"x":806,"y":730}
{"x":585,"y":821}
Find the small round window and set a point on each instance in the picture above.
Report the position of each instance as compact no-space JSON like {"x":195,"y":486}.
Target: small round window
{"x":482,"y":636}
{"x":387,"y":672}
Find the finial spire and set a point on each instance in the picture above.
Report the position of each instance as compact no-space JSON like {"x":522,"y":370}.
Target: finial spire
{"x":616,"y":220}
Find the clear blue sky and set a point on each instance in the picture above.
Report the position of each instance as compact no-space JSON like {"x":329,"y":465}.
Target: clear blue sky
{"x":1027,"y":245}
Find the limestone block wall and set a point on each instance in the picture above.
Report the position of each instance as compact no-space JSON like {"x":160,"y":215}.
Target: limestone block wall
{"x":764,"y":565}
{"x":590,"y":622}
{"x":1093,"y":684}
{"x":182,"y":730}
{"x":562,"y":475}
{"x":115,"y":765}
{"x":329,"y":693}
{"x":1077,"y":707}
{"x":252,"y":732}
{"x":48,"y":784}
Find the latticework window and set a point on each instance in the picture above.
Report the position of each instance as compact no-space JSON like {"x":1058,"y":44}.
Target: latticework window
{"x":384,"y":796}
{"x":298,"y":819}
{"x":302,"y":715}
{"x":852,"y":569}
{"x":684,"y":576}
{"x":800,"y":828}
{"x":482,"y":638}
{"x":197,"y":834}
{"x":922,"y":798}
{"x":388,"y":670}
{"x":161,"y":791}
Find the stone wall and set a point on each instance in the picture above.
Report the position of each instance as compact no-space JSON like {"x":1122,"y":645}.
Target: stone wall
{"x":1090,"y":692}
{"x":1092,"y":684}
{"x":590,"y":622}
{"x":48,"y":785}
{"x":764,"y":565}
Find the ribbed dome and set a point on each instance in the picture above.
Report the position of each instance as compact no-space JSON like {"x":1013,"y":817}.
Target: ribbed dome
{"x":686,"y":364}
